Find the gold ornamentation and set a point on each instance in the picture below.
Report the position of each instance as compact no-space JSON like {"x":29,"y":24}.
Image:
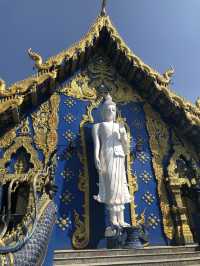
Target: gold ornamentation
{"x":81,"y":235}
{"x":38,"y":60}
{"x":159,"y":148}
{"x":143,"y":157}
{"x":166,"y":79}
{"x":69,"y":118}
{"x":79,"y":88}
{"x":7,"y":92}
{"x":63,"y":222}
{"x":94,"y":33}
{"x":148,"y":198}
{"x":99,"y":78}
{"x":146,"y":177}
{"x":191,"y":111}
{"x":10,"y":102}
{"x":22,"y":141}
{"x":70,"y":102}
{"x":2,"y":86}
{"x":153,"y":221}
{"x":176,"y":181}
{"x":79,"y":238}
{"x":7,"y":138}
{"x":69,"y":135}
{"x":66,"y":197}
{"x":45,"y":123}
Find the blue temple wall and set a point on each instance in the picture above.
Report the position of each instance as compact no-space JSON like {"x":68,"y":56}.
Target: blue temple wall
{"x":74,"y":200}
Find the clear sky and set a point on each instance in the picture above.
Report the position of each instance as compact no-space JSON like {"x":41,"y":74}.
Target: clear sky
{"x":161,"y":32}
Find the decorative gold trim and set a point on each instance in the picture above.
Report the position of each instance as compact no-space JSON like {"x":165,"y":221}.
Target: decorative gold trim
{"x":45,"y":123}
{"x":176,"y":182}
{"x":22,"y":141}
{"x":11,"y":257}
{"x":192,"y":111}
{"x":11,"y":102}
{"x":87,"y":84}
{"x":132,"y":181}
{"x":159,"y":148}
{"x":8,"y":138}
{"x":83,"y":184}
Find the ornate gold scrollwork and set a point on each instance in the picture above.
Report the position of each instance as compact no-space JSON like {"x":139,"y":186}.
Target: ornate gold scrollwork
{"x":99,"y":78}
{"x":79,"y":88}
{"x":158,"y":138}
{"x":45,"y":123}
{"x":21,"y":141}
{"x":7,"y":138}
{"x":176,"y":181}
{"x":10,"y":102}
{"x":84,"y":227}
{"x":79,"y":239}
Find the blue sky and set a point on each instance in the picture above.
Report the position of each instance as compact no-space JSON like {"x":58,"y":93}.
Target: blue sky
{"x":162,"y":33}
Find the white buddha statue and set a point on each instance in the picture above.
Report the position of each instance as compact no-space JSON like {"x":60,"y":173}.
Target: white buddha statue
{"x":111,"y":147}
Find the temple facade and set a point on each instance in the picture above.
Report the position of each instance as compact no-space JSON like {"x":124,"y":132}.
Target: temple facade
{"x":47,"y":171}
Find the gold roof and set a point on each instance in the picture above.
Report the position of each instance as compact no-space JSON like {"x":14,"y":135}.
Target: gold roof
{"x":51,"y":71}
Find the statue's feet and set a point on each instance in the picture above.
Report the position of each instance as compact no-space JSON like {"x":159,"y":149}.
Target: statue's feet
{"x":123,"y":224}
{"x":115,"y":224}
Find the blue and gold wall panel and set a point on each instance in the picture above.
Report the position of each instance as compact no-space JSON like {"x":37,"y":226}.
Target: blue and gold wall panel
{"x":63,"y":125}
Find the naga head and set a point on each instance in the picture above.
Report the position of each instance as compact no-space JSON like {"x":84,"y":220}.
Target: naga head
{"x":169,"y":73}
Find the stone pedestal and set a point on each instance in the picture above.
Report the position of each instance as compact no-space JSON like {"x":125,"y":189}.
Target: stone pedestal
{"x":133,"y":238}
{"x":127,"y":237}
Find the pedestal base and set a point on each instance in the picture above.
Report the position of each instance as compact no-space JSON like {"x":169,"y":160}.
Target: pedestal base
{"x":127,"y":237}
{"x":133,"y":238}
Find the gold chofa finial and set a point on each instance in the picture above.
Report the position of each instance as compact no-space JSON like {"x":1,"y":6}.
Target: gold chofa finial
{"x":103,"y":8}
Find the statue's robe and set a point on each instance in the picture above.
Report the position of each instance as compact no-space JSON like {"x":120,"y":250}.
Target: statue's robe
{"x":113,"y":187}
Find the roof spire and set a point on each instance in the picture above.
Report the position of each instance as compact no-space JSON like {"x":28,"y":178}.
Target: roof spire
{"x":103,"y":8}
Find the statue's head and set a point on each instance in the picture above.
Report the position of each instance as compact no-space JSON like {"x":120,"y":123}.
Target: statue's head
{"x":109,"y":109}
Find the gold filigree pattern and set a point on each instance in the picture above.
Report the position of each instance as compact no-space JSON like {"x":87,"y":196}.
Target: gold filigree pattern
{"x":22,"y":141}
{"x":69,"y":135}
{"x":79,"y":88}
{"x":79,"y":238}
{"x":176,"y":181}
{"x":99,"y":78}
{"x":153,"y":221}
{"x":143,"y":157}
{"x":81,"y":235}
{"x":7,"y":138}
{"x":63,"y":222}
{"x":69,"y":118}
{"x":159,"y":149}
{"x":78,"y":50}
{"x":45,"y":123}
{"x":69,"y":102}
{"x":148,"y":198}
{"x":146,"y":177}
